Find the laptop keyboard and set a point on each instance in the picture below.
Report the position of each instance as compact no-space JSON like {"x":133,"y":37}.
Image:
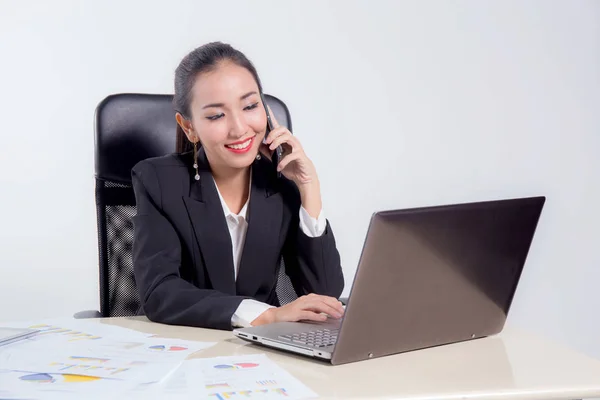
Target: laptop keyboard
{"x":318,"y":338}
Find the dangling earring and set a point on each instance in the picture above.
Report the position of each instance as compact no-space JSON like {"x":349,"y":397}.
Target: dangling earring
{"x":197,"y":177}
{"x":258,"y":157}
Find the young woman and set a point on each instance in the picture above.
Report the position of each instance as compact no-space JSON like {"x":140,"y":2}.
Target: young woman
{"x":214,"y":220}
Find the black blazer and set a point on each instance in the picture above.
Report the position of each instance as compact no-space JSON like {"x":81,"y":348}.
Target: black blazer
{"x":182,"y":256}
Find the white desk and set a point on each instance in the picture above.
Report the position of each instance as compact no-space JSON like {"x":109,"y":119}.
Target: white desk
{"x":512,"y":365}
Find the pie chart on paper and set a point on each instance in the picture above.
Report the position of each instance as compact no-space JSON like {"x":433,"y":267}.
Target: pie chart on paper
{"x":56,"y":378}
{"x":236,"y":366}
{"x":38,"y":378}
{"x":246,"y":365}
{"x":167,"y":348}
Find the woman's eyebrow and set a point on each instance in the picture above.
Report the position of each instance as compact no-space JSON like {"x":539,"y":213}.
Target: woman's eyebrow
{"x":247,"y":95}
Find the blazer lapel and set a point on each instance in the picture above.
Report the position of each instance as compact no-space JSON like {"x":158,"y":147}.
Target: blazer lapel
{"x":261,"y":247}
{"x":212,"y":234}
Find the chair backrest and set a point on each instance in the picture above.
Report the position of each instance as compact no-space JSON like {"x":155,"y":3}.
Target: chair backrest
{"x":130,"y":128}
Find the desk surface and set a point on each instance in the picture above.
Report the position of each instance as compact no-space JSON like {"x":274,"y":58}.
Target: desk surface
{"x":512,"y":365}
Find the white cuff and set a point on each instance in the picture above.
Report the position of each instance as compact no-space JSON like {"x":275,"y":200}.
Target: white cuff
{"x":248,"y":311}
{"x":312,"y":227}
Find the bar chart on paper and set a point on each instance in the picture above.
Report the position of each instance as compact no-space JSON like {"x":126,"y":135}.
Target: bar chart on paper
{"x":69,"y":356}
{"x":48,"y":378}
{"x":61,"y":332}
{"x":162,"y":347}
{"x":239,"y":377}
{"x":34,"y":385}
{"x":81,"y":364}
{"x":236,"y":366}
{"x":278,"y":393}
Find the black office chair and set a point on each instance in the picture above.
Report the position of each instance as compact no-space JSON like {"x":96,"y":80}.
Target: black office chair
{"x":130,"y":128}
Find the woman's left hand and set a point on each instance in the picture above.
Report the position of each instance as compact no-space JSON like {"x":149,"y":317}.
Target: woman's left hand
{"x":294,"y":163}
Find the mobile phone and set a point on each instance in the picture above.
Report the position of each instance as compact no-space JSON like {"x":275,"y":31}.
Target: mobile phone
{"x":278,"y":153}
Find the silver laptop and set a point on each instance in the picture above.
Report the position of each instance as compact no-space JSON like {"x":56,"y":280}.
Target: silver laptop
{"x":426,"y":277}
{"x":11,"y":335}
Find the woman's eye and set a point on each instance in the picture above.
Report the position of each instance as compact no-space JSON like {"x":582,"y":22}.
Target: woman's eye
{"x":251,"y":107}
{"x":215,"y":117}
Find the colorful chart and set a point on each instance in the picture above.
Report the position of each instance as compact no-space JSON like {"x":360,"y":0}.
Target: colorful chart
{"x":236,"y":366}
{"x":169,"y":348}
{"x":89,"y":359}
{"x":246,"y":365}
{"x":267,"y":383}
{"x":46,"y":329}
{"x":224,"y":366}
{"x":79,"y":378}
{"x":217,"y":385}
{"x":47,"y":378}
{"x":73,"y":367}
{"x":247,"y":393}
{"x":38,"y":378}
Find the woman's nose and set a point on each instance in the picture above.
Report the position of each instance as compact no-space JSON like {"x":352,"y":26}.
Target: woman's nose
{"x":238,"y":126}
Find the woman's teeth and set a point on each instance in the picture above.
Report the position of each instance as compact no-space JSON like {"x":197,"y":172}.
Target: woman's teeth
{"x":239,"y":146}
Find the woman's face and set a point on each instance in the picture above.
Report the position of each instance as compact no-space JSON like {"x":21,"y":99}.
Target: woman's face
{"x":228,"y":116}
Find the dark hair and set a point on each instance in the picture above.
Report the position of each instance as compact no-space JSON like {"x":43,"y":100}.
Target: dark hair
{"x":203,"y":59}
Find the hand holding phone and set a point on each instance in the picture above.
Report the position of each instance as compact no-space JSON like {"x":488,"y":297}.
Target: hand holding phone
{"x":291,"y":162}
{"x":278,"y":152}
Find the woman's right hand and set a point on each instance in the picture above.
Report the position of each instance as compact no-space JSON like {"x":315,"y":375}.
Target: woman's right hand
{"x":312,"y":307}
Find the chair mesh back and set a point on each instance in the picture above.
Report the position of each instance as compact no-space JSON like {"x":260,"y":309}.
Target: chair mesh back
{"x":120,"y":297}
{"x":284,"y":288}
{"x":123,"y":296}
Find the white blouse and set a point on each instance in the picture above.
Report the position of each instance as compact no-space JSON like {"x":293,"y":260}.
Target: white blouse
{"x":249,"y":310}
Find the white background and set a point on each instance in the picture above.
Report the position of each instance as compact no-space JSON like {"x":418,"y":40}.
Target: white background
{"x":399,"y":104}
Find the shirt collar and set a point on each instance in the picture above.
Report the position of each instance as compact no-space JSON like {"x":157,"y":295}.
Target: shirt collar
{"x":244,"y":211}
